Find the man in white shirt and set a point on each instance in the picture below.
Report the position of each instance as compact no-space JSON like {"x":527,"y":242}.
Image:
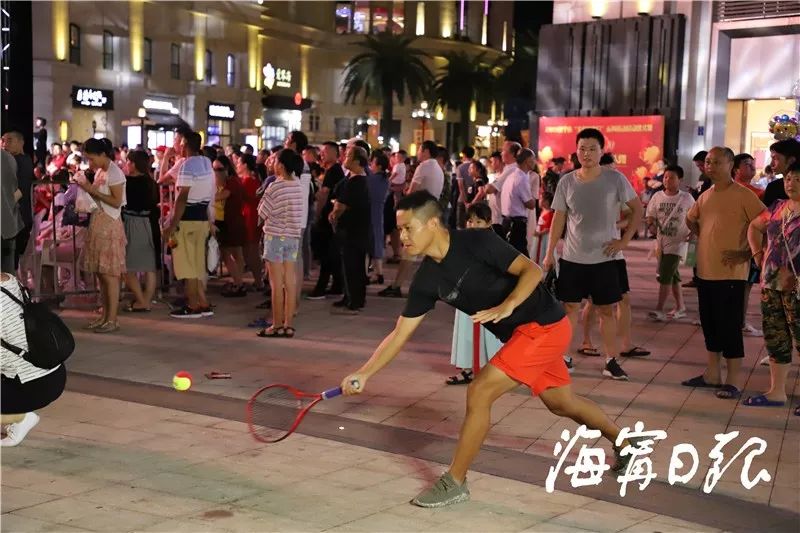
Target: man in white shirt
{"x":514,"y":190}
{"x":427,"y":177}
{"x":189,"y":227}
{"x":464,"y":183}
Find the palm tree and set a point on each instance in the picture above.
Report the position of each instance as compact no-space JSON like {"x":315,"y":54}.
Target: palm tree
{"x":466,"y":79}
{"x":388,"y":67}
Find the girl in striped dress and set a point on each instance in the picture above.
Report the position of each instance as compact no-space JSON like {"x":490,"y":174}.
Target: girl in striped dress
{"x":281,"y":209}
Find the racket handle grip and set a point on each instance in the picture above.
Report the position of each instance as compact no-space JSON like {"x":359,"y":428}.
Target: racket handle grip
{"x":337,"y":391}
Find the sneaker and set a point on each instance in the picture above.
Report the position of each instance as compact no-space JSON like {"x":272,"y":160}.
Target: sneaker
{"x":614,"y":371}
{"x":16,"y":433}
{"x":207,"y":311}
{"x":676,"y":314}
{"x":568,"y":362}
{"x":186,"y":312}
{"x":764,"y":361}
{"x":621,"y":461}
{"x":315,"y":296}
{"x":391,"y":292}
{"x":444,"y":492}
{"x":750,"y":330}
{"x":657,"y":316}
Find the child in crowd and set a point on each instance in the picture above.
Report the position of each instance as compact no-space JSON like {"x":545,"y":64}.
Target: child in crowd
{"x":667,"y":212}
{"x":479,"y":217}
{"x":542,"y":233}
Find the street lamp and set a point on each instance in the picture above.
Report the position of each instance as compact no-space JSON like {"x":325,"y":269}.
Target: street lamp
{"x":497,"y":129}
{"x":142,"y":114}
{"x":423,"y":114}
{"x":365,"y":121}
{"x":258,"y":123}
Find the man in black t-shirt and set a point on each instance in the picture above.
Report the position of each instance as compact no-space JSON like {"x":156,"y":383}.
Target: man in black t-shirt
{"x":480,"y":274}
{"x":784,"y":154}
{"x":350,"y":219}
{"x":322,"y":241}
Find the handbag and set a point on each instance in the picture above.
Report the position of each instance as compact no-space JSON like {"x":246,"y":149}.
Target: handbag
{"x":212,"y":254}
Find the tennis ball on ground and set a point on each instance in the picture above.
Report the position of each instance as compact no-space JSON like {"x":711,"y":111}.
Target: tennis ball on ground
{"x":182,"y":381}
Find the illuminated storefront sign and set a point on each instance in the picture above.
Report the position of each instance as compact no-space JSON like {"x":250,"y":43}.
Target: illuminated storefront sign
{"x":92,"y":98}
{"x":221,"y":111}
{"x":277,"y":76}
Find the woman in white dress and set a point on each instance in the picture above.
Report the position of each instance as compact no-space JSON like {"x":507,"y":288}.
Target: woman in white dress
{"x":479,"y":218}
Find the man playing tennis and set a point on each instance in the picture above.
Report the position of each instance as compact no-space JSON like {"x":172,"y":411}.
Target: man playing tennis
{"x":480,"y":274}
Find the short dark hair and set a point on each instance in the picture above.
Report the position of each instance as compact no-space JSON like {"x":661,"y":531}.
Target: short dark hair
{"x":193,"y":141}
{"x":442,"y":152}
{"x":740,"y":158}
{"x":607,"y":158}
{"x":700,"y":156}
{"x":380,"y":159}
{"x":468,"y":151}
{"x":768,"y":169}
{"x":209,"y":152}
{"x":403,"y":153}
{"x":591,"y":133}
{"x":481,"y":211}
{"x":360,"y":155}
{"x":559,"y":160}
{"x":524,"y":154}
{"x":361,"y":143}
{"x":677,"y":169}
{"x":422,"y":203}
{"x":548,"y":196}
{"x":430,"y":146}
{"x":140,"y":160}
{"x":794,"y":168}
{"x":496,"y":154}
{"x":333,"y":145}
{"x":42,"y":120}
{"x":291,"y":160}
{"x":183,"y":130}
{"x":225,"y":162}
{"x":729,"y":155}
{"x":299,"y":139}
{"x":787,"y":148}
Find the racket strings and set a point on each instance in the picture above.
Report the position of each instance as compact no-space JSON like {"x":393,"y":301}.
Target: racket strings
{"x":274,"y":411}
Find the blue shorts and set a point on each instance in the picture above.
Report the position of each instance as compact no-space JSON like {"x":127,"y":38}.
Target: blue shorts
{"x":281,"y":249}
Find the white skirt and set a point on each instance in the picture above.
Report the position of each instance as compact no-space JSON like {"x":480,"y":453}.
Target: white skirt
{"x":461,"y":354}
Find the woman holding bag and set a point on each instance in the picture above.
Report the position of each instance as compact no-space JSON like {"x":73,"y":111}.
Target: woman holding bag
{"x":104,"y":254}
{"x":780,"y":286}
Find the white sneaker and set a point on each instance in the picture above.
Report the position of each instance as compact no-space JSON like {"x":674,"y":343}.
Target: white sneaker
{"x":677,"y":314}
{"x":764,"y":361}
{"x":751,"y":331}
{"x":658,"y":316}
{"x":16,"y":433}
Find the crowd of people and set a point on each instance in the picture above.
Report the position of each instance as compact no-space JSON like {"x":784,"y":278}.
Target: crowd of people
{"x":130,"y":214}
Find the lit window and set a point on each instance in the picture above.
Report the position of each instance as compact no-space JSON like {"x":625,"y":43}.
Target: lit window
{"x":380,"y":19}
{"x":361,"y":17}
{"x":344,"y":14}
{"x":420,"y":18}
{"x":230,"y":70}
{"x":398,"y":17}
{"x":74,"y":44}
{"x":108,"y":50}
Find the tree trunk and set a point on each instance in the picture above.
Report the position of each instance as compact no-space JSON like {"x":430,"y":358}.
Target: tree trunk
{"x":464,"y":128}
{"x":386,"y":114}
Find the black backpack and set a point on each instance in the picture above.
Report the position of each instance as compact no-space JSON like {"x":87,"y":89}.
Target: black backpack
{"x":50,"y":341}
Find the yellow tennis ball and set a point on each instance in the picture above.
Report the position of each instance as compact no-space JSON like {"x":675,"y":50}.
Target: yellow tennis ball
{"x":182,"y":381}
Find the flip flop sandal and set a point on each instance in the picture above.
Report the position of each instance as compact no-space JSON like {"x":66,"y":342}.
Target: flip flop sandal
{"x":464,"y":379}
{"x":589,"y":350}
{"x":700,"y":382}
{"x":729,"y":392}
{"x":676,"y":315}
{"x":272,"y":333}
{"x":636,"y":351}
{"x":762,"y":401}
{"x":289,"y":332}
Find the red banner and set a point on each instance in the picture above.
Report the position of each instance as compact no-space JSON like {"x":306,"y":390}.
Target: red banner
{"x":637,"y":143}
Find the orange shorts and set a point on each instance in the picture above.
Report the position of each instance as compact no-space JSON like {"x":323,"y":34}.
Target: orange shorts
{"x":534,"y":355}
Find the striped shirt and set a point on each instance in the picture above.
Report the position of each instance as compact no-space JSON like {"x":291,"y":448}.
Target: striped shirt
{"x":281,"y":208}
{"x":13,"y":332}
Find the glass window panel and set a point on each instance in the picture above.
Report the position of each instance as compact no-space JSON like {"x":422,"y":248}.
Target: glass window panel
{"x":380,"y":19}
{"x":361,"y":17}
{"x":398,"y":17}
{"x":344,"y":14}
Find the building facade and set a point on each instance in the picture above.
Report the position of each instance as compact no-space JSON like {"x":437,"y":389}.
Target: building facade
{"x":134,"y":70}
{"x":726,"y":66}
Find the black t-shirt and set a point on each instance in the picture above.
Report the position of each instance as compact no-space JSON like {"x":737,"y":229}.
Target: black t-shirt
{"x":775,"y":191}
{"x":333,"y":176}
{"x":472,"y":277}
{"x":355,"y":221}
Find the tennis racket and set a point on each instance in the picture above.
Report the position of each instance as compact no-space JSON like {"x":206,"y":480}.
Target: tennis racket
{"x":275,"y":411}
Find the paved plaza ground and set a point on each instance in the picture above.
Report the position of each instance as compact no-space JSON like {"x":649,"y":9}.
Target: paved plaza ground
{"x":123,"y":451}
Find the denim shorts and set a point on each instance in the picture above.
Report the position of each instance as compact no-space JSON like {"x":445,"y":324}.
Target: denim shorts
{"x":281,"y":249}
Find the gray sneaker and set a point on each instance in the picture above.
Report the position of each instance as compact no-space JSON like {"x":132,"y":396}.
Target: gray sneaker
{"x":444,"y":492}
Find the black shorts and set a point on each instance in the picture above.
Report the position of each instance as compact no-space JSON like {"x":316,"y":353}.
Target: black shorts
{"x":19,"y":398}
{"x":598,"y":281}
{"x":721,"y":306}
{"x":622,"y":271}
